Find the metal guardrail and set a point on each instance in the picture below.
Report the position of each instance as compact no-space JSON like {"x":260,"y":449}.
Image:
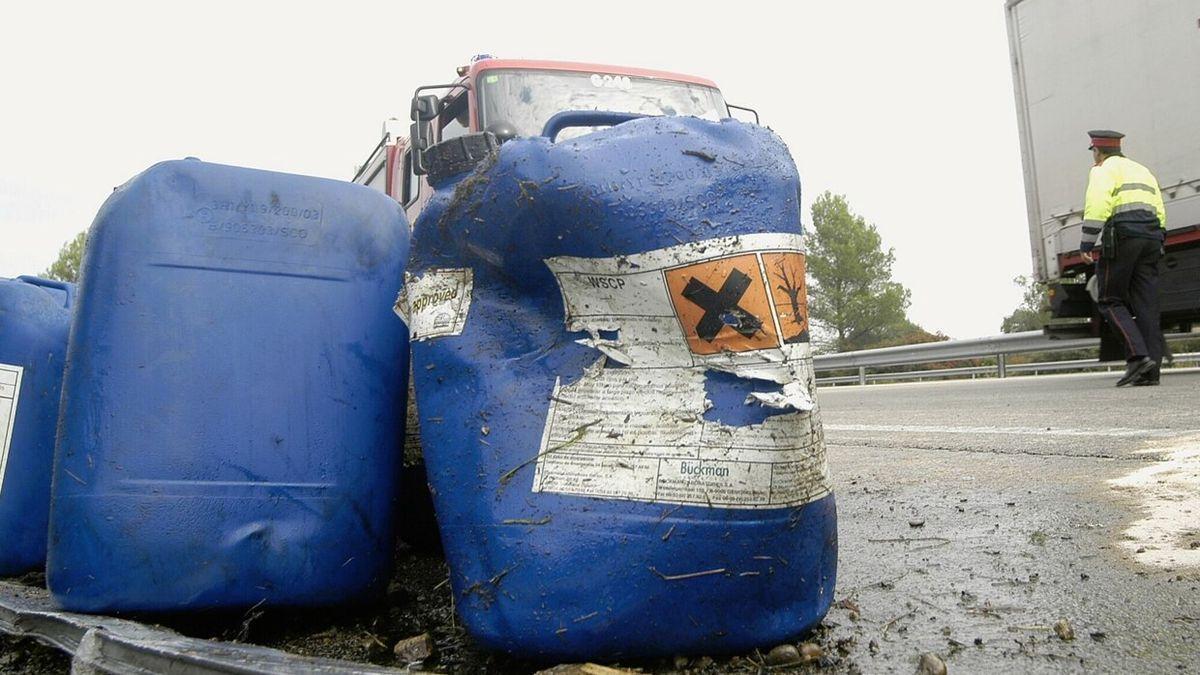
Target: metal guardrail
{"x":993,"y":346}
{"x":101,"y":644}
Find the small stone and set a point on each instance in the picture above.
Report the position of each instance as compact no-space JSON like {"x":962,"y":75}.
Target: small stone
{"x":583,"y":669}
{"x":783,"y":655}
{"x":417,"y":648}
{"x":1141,"y":549}
{"x":917,"y":522}
{"x":931,"y":664}
{"x":1098,"y":636}
{"x":1064,"y":631}
{"x":811,"y":651}
{"x":978,"y":642}
{"x":873,"y":646}
{"x":485,"y":430}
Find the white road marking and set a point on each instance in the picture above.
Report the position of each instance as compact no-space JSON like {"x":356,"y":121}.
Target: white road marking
{"x":1170,"y":494}
{"x":1118,"y":432}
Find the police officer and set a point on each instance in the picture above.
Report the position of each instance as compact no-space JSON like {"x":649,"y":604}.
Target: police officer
{"x":1124,"y":204}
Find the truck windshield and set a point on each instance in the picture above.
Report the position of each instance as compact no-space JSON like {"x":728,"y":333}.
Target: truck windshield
{"x":527,"y":98}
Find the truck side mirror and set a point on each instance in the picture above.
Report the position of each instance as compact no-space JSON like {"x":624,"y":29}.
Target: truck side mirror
{"x":420,"y":136}
{"x":424,"y":112}
{"x":425,"y":108}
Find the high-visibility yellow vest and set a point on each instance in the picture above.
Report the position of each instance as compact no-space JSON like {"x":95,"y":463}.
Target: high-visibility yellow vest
{"x":1120,"y":189}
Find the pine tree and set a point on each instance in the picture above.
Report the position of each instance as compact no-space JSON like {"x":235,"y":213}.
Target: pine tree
{"x":852,"y":297}
{"x":66,"y":267}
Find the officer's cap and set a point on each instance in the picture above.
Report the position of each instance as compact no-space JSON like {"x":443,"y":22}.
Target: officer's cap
{"x":1105,"y":139}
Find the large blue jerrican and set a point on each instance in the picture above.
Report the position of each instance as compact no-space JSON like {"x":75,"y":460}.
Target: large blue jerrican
{"x":233,"y":402}
{"x":35,"y":316}
{"x":613,"y":375}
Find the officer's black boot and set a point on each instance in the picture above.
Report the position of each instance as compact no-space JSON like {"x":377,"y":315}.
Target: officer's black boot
{"x":1149,"y":378}
{"x":1136,"y":368}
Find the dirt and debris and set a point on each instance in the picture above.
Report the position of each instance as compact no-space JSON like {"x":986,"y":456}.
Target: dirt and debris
{"x":30,"y":657}
{"x":414,"y":623}
{"x":706,"y":156}
{"x":1064,"y":631}
{"x":931,"y":664}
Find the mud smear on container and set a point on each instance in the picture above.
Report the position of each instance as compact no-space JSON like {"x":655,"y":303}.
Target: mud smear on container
{"x":467,"y":198}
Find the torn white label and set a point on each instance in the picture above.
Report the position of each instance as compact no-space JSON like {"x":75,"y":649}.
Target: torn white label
{"x":10,"y":392}
{"x":436,"y":303}
{"x":793,"y":395}
{"x":672,"y":316}
{"x":628,"y":433}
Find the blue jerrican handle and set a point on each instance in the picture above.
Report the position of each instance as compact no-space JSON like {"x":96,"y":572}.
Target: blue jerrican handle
{"x":63,"y":286}
{"x":584,"y":118}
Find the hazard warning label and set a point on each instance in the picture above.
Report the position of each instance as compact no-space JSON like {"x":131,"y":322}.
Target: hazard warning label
{"x":671,"y":317}
{"x":789,"y":294}
{"x":723,"y":305}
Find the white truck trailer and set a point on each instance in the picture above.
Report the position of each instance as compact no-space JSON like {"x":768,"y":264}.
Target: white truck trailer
{"x":1129,"y":65}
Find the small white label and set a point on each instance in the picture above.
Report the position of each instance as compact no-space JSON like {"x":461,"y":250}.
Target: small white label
{"x":436,"y":303}
{"x":671,"y":316}
{"x":10,"y":391}
{"x":612,"y":81}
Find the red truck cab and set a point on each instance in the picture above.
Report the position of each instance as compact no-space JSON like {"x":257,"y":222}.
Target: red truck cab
{"x":515,"y":97}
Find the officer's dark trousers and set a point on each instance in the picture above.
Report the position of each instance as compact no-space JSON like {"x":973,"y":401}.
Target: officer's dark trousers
{"x":1128,"y":285}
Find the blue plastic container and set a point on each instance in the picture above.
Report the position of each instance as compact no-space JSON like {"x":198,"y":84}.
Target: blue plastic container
{"x":35,"y":316}
{"x":233,"y":402}
{"x":613,"y":376}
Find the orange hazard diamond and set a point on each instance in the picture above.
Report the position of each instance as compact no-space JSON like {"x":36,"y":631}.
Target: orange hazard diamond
{"x":789,"y":293}
{"x":723,"y":305}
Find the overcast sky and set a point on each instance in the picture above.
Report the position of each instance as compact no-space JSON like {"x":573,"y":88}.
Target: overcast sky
{"x":904,"y":107}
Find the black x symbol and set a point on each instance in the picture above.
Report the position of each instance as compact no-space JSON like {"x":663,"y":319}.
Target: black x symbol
{"x":721,"y":307}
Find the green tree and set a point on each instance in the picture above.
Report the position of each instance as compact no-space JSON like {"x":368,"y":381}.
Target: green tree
{"x":908,"y":333}
{"x":1034,"y":311}
{"x":66,"y":268}
{"x":852,"y":297}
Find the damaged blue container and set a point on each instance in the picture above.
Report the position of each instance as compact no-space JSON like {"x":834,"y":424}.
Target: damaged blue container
{"x":35,"y":317}
{"x":614,"y":381}
{"x":233,"y":402}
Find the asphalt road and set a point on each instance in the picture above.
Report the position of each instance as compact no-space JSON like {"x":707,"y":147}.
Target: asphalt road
{"x":974,"y":515}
